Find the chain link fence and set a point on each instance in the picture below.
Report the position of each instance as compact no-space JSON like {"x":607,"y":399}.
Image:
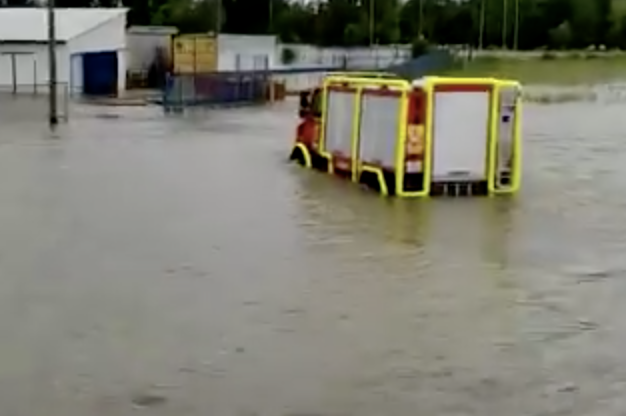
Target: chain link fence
{"x":218,"y":88}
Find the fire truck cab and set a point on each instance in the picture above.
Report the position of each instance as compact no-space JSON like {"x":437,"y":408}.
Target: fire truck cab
{"x":431,"y":136}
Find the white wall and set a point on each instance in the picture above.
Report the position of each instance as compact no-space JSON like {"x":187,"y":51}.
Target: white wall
{"x":360,"y":57}
{"x":108,"y":37}
{"x":245,"y":52}
{"x":310,"y":57}
{"x":32,"y":70}
{"x":76,"y":74}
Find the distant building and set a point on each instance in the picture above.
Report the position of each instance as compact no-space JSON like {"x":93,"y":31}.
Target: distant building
{"x":246,"y":52}
{"x":91,"y":43}
{"x":205,"y":52}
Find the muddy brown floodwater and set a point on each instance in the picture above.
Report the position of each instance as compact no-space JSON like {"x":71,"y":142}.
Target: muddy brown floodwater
{"x":180,"y":267}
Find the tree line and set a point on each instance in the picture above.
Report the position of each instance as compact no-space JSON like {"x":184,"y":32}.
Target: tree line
{"x":513,"y":24}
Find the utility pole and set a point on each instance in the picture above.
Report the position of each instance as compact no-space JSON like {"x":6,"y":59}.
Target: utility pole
{"x":505,"y":15}
{"x":218,"y":17}
{"x":421,"y":19}
{"x":270,"y":25}
{"x":52,"y":65}
{"x":516,"y":32}
{"x":481,"y":26}
{"x":371,"y":22}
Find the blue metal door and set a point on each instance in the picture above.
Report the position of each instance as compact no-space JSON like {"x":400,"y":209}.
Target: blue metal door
{"x":100,"y":73}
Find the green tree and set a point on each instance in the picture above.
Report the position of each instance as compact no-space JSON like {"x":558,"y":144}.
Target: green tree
{"x":585,"y":20}
{"x":190,"y":16}
{"x":606,"y":22}
{"x":561,"y":36}
{"x":526,"y":24}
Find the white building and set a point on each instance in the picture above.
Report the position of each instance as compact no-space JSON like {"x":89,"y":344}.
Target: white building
{"x":90,"y":53}
{"x":246,"y":52}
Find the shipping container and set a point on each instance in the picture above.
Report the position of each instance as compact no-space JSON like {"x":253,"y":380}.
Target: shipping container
{"x":193,"y":54}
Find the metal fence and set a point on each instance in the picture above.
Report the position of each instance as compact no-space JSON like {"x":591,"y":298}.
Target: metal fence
{"x":218,"y":88}
{"x":31,"y":101}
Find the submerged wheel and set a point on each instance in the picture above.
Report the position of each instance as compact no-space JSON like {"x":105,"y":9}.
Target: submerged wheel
{"x":298,"y":155}
{"x":370,"y":179}
{"x":383,"y":184}
{"x":319,"y":162}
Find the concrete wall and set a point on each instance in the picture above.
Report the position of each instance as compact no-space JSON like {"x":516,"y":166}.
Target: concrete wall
{"x":242,"y":52}
{"x":245,"y":52}
{"x":361,"y":57}
{"x":108,"y":37}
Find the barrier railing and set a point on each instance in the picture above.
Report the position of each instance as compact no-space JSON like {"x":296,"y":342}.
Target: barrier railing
{"x":227,"y":88}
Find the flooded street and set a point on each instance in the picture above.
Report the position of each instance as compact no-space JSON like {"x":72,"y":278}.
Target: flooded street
{"x":179,"y":266}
